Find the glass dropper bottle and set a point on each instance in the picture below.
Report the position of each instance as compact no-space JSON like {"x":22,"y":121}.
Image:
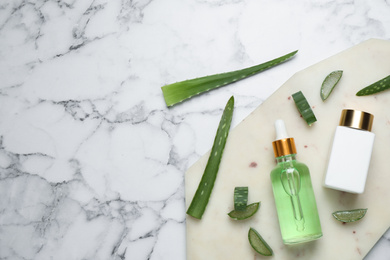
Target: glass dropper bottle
{"x":293,"y":192}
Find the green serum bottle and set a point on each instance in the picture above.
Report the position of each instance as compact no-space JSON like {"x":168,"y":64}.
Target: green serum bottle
{"x":293,"y":192}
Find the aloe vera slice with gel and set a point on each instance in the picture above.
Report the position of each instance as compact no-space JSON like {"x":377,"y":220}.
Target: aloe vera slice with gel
{"x":248,"y":212}
{"x":349,"y":215}
{"x":258,"y":243}
{"x":330,"y":83}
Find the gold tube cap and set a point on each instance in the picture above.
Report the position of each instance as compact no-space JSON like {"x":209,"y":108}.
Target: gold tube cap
{"x":356,"y":119}
{"x":284,"y":147}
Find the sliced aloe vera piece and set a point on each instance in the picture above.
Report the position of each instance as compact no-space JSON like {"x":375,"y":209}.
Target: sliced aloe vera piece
{"x":258,"y":243}
{"x":376,"y":87}
{"x":249,"y":211}
{"x":180,"y":91}
{"x":349,"y":215}
{"x":329,"y":83}
{"x":206,"y":184}
{"x":304,"y":108}
{"x":240,"y":198}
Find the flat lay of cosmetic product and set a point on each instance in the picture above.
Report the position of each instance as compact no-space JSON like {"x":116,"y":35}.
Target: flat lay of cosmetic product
{"x":293,"y":192}
{"x":249,"y":158}
{"x":351,"y":152}
{"x":115,"y":118}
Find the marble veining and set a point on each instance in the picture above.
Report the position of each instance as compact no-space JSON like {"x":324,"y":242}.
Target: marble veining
{"x":91,"y":160}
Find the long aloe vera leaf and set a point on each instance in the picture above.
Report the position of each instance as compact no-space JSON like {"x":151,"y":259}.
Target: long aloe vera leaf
{"x":206,"y":184}
{"x":180,"y":91}
{"x":375,"y":87}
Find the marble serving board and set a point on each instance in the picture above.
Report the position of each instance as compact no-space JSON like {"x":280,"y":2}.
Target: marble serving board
{"x":248,"y":160}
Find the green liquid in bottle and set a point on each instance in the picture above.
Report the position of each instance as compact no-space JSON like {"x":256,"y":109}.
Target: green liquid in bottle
{"x":293,"y":192}
{"x":295,"y":202}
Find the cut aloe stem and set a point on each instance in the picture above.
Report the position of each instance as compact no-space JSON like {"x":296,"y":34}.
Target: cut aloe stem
{"x":349,"y":215}
{"x":180,"y":91}
{"x":203,"y":192}
{"x":258,"y":243}
{"x":330,"y":83}
{"x":240,"y":198}
{"x":376,"y":87}
{"x":249,"y":211}
{"x":304,"y":108}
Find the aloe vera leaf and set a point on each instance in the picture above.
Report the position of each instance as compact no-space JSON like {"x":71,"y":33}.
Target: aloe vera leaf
{"x":240,"y":198}
{"x":258,"y":243}
{"x":330,"y":83}
{"x":349,"y":215}
{"x":304,"y":108}
{"x":177,"y":92}
{"x":206,"y":184}
{"x":248,"y":212}
{"x":376,"y":87}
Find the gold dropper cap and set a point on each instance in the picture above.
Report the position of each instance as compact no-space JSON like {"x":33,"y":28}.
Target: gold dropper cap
{"x":356,"y":119}
{"x":284,"y":147}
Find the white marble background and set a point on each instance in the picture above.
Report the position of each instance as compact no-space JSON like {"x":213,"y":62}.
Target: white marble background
{"x":92,"y":162}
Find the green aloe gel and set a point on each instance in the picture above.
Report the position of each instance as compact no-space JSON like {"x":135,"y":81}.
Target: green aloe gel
{"x":293,"y":192}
